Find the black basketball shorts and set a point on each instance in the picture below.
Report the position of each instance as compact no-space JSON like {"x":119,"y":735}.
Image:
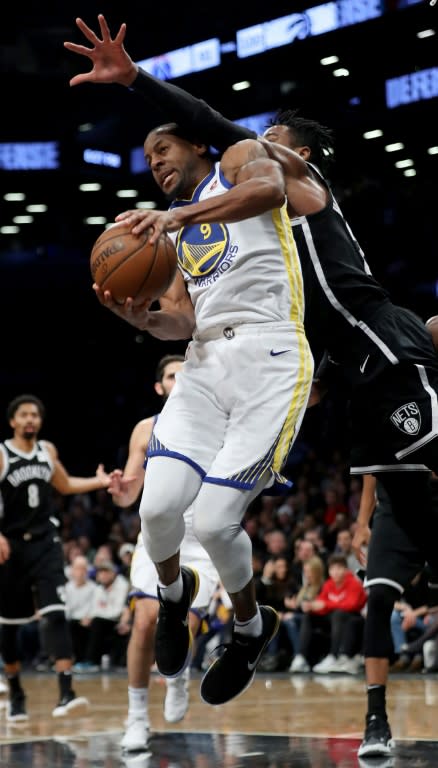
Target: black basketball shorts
{"x":33,"y":579}
{"x":394,"y":421}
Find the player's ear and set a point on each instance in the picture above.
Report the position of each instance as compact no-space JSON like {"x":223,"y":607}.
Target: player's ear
{"x":201,"y":149}
{"x":159,"y":388}
{"x":304,"y":152}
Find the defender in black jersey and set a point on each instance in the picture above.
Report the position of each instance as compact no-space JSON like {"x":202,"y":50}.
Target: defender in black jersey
{"x":385,"y":354}
{"x":31,"y":558}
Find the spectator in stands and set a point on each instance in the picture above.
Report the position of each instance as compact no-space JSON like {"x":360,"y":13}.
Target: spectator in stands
{"x":409,"y":620}
{"x":344,"y":546}
{"x":313,"y":576}
{"x":275,"y":584}
{"x":304,"y":550}
{"x":339,"y":605}
{"x":109,"y":602}
{"x":80,"y":593}
{"x":413,"y":653}
{"x":125,"y":554}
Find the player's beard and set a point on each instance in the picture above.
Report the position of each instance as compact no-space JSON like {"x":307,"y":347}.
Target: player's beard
{"x":28,"y":435}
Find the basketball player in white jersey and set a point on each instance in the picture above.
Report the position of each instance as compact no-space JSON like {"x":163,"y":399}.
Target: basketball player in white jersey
{"x":228,"y":426}
{"x":226,"y":430}
{"x":125,"y":489}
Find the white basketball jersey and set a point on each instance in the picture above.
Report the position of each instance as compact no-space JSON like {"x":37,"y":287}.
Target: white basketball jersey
{"x":245,"y":272}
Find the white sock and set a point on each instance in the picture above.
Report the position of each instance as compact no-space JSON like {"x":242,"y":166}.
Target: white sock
{"x":253,"y":627}
{"x":137,"y":702}
{"x":172,"y":591}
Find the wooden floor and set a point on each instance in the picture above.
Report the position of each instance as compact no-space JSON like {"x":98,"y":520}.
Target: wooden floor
{"x":328,"y":709}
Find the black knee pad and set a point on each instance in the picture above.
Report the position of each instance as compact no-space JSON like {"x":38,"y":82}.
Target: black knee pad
{"x":58,"y":636}
{"x":377,"y":637}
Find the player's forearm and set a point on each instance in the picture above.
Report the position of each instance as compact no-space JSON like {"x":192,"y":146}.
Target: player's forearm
{"x":246,"y":200}
{"x":168,"y":325}
{"x":180,"y":106}
{"x":124,"y":500}
{"x":80,"y":485}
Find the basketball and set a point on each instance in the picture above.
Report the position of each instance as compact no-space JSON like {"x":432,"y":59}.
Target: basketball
{"x":128,"y":265}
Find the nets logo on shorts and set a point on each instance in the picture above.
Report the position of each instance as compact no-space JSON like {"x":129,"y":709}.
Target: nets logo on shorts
{"x":407,"y":419}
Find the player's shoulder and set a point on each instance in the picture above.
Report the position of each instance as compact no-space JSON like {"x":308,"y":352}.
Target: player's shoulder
{"x":49,"y":447}
{"x":244,"y":149}
{"x":142,"y":431}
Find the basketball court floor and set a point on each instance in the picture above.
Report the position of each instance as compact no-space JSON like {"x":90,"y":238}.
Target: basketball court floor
{"x":282,"y":721}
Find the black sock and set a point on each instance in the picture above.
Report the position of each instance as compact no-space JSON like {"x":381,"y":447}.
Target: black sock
{"x":377,"y":700}
{"x":14,"y":683}
{"x":64,"y":679}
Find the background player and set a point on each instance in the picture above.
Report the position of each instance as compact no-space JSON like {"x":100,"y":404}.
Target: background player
{"x":31,"y":557}
{"x":125,"y":490}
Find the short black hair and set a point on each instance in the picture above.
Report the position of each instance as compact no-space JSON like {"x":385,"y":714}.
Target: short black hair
{"x":19,"y":400}
{"x":319,"y":138}
{"x":181,"y":132}
{"x":166,"y":360}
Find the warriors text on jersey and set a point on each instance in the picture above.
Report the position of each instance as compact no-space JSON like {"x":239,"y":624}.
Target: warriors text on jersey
{"x":26,"y":490}
{"x":237,"y":273}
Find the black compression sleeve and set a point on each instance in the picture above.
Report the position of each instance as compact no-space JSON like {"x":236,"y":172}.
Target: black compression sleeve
{"x":190,"y":112}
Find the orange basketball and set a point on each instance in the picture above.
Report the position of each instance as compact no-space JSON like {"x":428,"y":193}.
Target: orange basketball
{"x":130,"y":266}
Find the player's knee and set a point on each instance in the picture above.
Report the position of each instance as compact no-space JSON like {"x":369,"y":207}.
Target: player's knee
{"x":381,"y":599}
{"x":154,"y":512}
{"x":212,"y":533}
{"x":143,"y":627}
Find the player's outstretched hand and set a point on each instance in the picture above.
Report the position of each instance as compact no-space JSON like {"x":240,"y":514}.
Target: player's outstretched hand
{"x":111,"y":62}
{"x":120,"y":483}
{"x":103,"y":476}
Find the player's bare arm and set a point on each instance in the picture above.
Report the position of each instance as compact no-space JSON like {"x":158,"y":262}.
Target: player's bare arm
{"x":175,"y":320}
{"x":305,"y":192}
{"x":66,"y":483}
{"x":126,"y":489}
{"x":367,"y":506}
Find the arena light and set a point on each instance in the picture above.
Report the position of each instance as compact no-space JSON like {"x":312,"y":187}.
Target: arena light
{"x":127,"y":193}
{"x":404,"y":163}
{"x":410,"y":172}
{"x":241,"y":86}
{"x":36,"y":208}
{"x":327,"y":60}
{"x":394,"y":147}
{"x":90,"y":187}
{"x":101,"y":220}
{"x":22,"y":219}
{"x":13,"y":197}
{"x":374,"y":134}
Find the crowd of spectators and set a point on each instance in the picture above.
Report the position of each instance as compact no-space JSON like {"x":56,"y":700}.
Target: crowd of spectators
{"x":303,"y":563}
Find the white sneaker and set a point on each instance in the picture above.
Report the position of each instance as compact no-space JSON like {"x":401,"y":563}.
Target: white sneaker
{"x":136,"y":736}
{"x":327,"y":665}
{"x":299,"y":664}
{"x":136,"y":760}
{"x":347,"y":664}
{"x":176,"y":702}
{"x":70,"y":703}
{"x":4,"y":688}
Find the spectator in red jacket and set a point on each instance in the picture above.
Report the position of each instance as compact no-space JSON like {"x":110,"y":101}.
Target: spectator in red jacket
{"x":337,"y":611}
